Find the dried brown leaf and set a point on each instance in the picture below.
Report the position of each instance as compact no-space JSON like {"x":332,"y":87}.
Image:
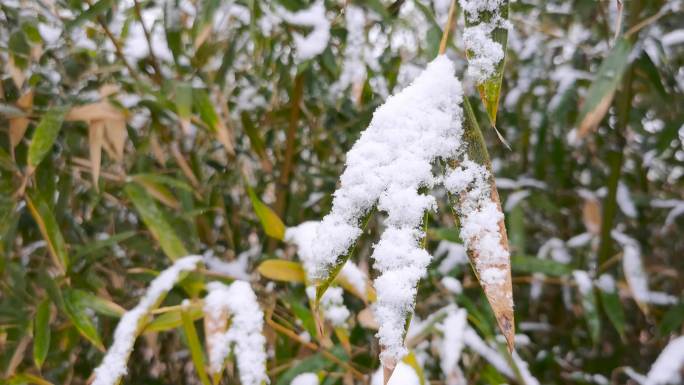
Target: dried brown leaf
{"x":95,"y":111}
{"x":591,"y":215}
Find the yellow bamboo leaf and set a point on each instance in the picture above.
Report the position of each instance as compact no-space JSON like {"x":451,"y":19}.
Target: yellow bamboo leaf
{"x":281,"y":270}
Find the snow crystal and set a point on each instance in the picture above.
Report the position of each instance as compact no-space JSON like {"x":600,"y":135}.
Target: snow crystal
{"x":403,"y":375}
{"x":113,"y":365}
{"x":244,"y":334}
{"x":305,"y":379}
{"x":316,"y":41}
{"x":485,"y":53}
{"x":667,"y":367}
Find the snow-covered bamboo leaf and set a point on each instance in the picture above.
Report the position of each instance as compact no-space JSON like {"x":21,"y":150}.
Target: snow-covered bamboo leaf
{"x":600,"y":93}
{"x":281,"y":270}
{"x":272,"y":224}
{"x":486,"y":39}
{"x":155,"y":221}
{"x":41,"y":332}
{"x":482,"y":223}
{"x":195,"y":346}
{"x":49,"y":229}
{"x":45,"y":135}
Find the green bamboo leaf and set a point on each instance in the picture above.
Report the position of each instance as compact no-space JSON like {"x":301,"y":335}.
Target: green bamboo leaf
{"x":195,"y":347}
{"x":254,"y":138}
{"x":613,"y":309}
{"x":49,"y":229}
{"x":172,"y":319}
{"x":45,"y":135}
{"x":41,"y":333}
{"x":154,"y":219}
{"x":184,"y":100}
{"x":91,"y":247}
{"x":79,"y":317}
{"x":528,"y":265}
{"x":205,"y":108}
{"x":84,"y":299}
{"x":589,"y":304}
{"x":602,"y":89}
{"x":91,"y":13}
{"x":270,"y":221}
{"x":450,"y":234}
{"x":490,"y":88}
{"x":672,"y":320}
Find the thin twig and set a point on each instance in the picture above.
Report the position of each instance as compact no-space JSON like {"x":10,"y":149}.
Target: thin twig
{"x":447,"y":28}
{"x":155,"y":64}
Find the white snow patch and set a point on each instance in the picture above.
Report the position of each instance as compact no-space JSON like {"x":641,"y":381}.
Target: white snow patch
{"x":667,"y":367}
{"x":305,"y":379}
{"x":244,"y":334}
{"x":316,"y":41}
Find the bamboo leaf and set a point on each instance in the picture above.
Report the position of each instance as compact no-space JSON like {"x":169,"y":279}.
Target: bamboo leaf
{"x":95,"y":137}
{"x":49,"y":229}
{"x":498,"y":296}
{"x":85,"y":299}
{"x":76,"y":312}
{"x":528,"y":265}
{"x":41,"y":333}
{"x":154,"y":219}
{"x":270,"y":221}
{"x":613,"y":309}
{"x":281,"y":270}
{"x":194,"y":345}
{"x":602,"y":89}
{"x":45,"y":135}
{"x":171,"y":320}
{"x":89,"y":14}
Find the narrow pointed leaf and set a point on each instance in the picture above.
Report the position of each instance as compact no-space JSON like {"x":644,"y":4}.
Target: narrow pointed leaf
{"x":49,"y":229}
{"x":79,"y":317}
{"x":602,"y":89}
{"x":281,"y":270}
{"x":270,"y":221}
{"x":41,"y":333}
{"x":45,"y":135}
{"x":154,"y":219}
{"x":196,"y":351}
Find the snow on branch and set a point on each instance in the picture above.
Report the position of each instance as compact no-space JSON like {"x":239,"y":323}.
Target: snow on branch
{"x":114,"y":364}
{"x":316,"y":41}
{"x":244,"y":334}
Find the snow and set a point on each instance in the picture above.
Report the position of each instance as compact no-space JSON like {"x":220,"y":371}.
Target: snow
{"x":316,"y":41}
{"x":355,"y":277}
{"x":667,"y":367}
{"x":452,"y":284}
{"x":480,"y":217}
{"x":236,"y":268}
{"x":305,"y":379}
{"x":403,"y":375}
{"x":515,"y":198}
{"x":673,"y":38}
{"x":388,"y":164}
{"x":452,"y":344}
{"x":354,"y":66}
{"x":244,"y":334}
{"x":606,"y":283}
{"x":455,"y":256}
{"x":636,"y":276}
{"x":624,"y":201}
{"x":583,"y":281}
{"x":332,"y":304}
{"x":485,"y":53}
{"x":113,"y":365}
{"x":477,"y":344}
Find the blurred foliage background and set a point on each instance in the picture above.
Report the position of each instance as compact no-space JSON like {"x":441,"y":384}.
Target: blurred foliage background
{"x":133,"y":129}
